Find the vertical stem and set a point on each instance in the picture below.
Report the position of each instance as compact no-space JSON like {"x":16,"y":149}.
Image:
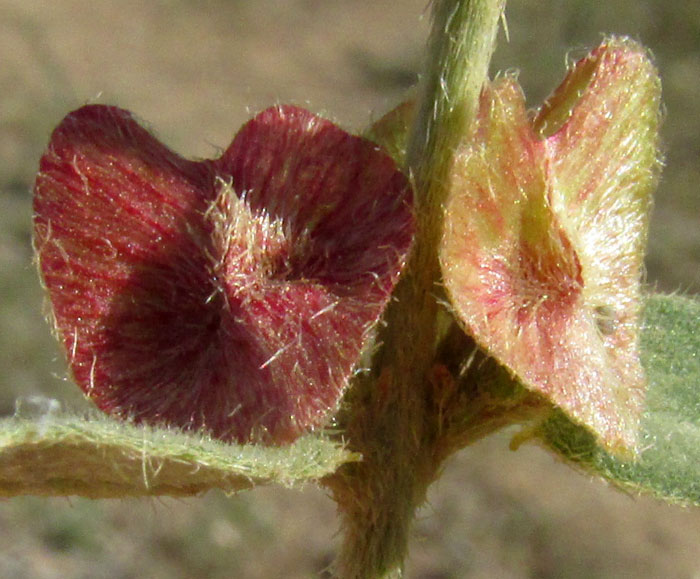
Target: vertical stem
{"x":390,"y":419}
{"x":462,"y":41}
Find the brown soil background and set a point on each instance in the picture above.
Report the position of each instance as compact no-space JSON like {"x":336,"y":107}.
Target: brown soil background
{"x":195,"y":71}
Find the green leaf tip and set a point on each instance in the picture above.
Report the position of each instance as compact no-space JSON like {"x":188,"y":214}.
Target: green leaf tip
{"x":392,"y":130}
{"x":668,"y":466}
{"x":62,"y":455}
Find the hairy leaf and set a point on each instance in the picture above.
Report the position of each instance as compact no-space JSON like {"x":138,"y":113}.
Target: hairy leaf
{"x":669,"y":463}
{"x":99,"y":457}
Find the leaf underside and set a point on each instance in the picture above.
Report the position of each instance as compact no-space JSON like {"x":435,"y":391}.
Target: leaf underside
{"x":99,"y":457}
{"x":668,"y":466}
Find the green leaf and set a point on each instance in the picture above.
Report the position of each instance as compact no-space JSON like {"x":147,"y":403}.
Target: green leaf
{"x":99,"y":457}
{"x":669,"y":462}
{"x":392,"y":130}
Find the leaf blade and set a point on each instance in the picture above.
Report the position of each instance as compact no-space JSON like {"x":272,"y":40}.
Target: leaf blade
{"x":103,"y":458}
{"x":669,"y":463}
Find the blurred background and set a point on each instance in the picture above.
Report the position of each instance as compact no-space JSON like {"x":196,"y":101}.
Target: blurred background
{"x":195,"y":71}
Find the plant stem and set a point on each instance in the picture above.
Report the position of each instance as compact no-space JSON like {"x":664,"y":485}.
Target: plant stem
{"x":391,"y":418}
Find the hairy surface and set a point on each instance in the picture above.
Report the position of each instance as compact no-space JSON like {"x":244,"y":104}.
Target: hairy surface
{"x":234,"y":295}
{"x":545,"y":232}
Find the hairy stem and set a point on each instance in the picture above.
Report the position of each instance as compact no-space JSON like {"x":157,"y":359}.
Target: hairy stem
{"x":392,"y":418}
